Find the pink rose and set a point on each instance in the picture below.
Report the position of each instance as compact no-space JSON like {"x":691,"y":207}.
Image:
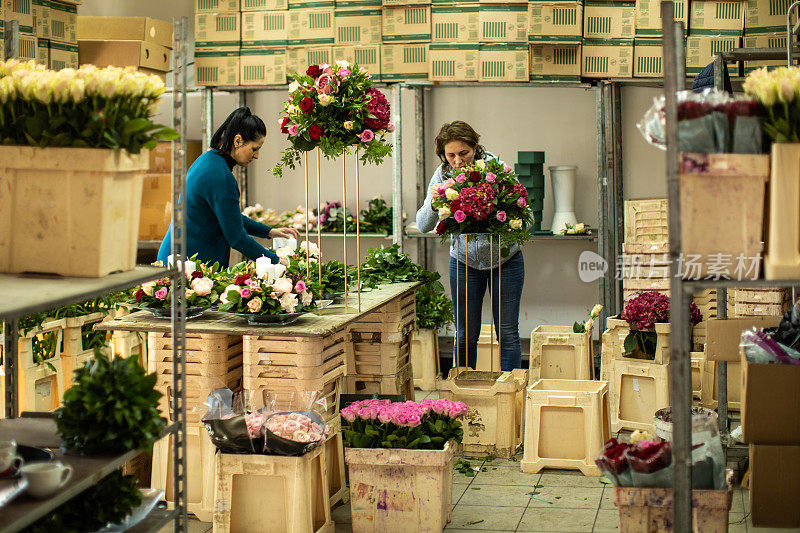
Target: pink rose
{"x":245,"y":292}
{"x":344,"y":73}
{"x":461,"y":178}
{"x":507,"y":168}
{"x":390,"y":127}
{"x":414,"y":420}
{"x":254,"y":305}
{"x":348,"y":414}
{"x":300,"y":286}
{"x":460,"y":216}
{"x":366,"y":136}
{"x":161,"y":293}
{"x":293,"y":130}
{"x":522,"y":202}
{"x":490,"y":177}
{"x":501,"y":216}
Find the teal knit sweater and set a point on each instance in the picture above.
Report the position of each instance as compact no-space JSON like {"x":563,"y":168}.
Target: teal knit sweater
{"x":214,"y":223}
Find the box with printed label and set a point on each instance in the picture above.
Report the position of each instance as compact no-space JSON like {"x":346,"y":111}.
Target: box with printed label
{"x":503,"y":62}
{"x":43,"y":52}
{"x":263,"y":65}
{"x":607,"y":58}
{"x":455,"y":23}
{"x":608,"y":20}
{"x":219,"y":67}
{"x":357,"y":4}
{"x":40,"y":10}
{"x":63,"y":22}
{"x":390,"y":3}
{"x":298,"y":59}
{"x":311,"y":4}
{"x":404,"y":62}
{"x":765,"y":16}
{"x":648,"y":16}
{"x":507,"y":2}
{"x":217,"y":30}
{"x":409,"y":24}
{"x":21,"y":10}
{"x":555,"y":22}
{"x":453,"y":62}
{"x":368,"y":56}
{"x":700,"y":51}
{"x":28,"y":46}
{"x":215,"y":6}
{"x":122,"y":54}
{"x":125,"y":29}
{"x":453,"y":2}
{"x":503,"y":23}
{"x":768,"y":40}
{"x":309,"y":27}
{"x":265,"y":28}
{"x":63,"y":55}
{"x":648,"y":58}
{"x":555,"y":62}
{"x":716,"y":17}
{"x":264,"y":5}
{"x":357,"y":26}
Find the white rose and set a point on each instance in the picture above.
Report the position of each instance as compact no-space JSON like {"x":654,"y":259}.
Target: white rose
{"x":444,"y":213}
{"x":312,"y":249}
{"x":595,"y":312}
{"x":289,"y":302}
{"x":515,"y":224}
{"x":343,"y":64}
{"x":282,"y":285}
{"x":325,"y":99}
{"x":202,"y":286}
{"x":306,"y":297}
{"x":480,"y":163}
{"x":254,"y":305}
{"x":451,"y":194}
{"x":580,"y":227}
{"x":293,"y":87}
{"x":588,"y":324}
{"x":348,"y":125}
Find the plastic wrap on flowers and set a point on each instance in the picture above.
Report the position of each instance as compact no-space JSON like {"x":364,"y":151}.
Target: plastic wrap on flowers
{"x":231,"y":428}
{"x":294,"y":433}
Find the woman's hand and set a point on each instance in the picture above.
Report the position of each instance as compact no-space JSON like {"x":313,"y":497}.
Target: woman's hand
{"x":286,"y":233}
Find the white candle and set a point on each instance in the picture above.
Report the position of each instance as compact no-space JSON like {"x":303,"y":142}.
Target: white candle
{"x":278,"y":270}
{"x":170,"y":260}
{"x":191,"y":266}
{"x":263,"y":267}
{"x":291,"y":243}
{"x":279,"y":242}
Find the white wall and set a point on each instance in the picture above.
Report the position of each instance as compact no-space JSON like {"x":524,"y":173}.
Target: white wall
{"x":559,"y":121}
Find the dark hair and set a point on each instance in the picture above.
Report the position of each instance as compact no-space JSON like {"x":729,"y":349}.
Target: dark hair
{"x":458,"y":130}
{"x":240,"y":122}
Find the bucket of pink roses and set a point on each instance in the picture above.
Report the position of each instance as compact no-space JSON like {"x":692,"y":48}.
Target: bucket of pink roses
{"x":400,"y":459}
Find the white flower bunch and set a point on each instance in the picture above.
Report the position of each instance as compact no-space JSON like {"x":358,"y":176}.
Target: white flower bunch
{"x":779,"y":85}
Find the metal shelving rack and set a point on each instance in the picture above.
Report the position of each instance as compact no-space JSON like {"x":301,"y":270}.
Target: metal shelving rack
{"x":22,"y":295}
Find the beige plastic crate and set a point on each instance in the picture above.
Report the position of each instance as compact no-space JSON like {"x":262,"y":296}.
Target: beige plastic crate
{"x":301,"y":358}
{"x":41,"y":387}
{"x":646,"y":220}
{"x":698,"y":360}
{"x":559,"y":353}
{"x":425,"y":359}
{"x":662,"y":345}
{"x":399,"y":383}
{"x":493,"y":425}
{"x":385,"y":358}
{"x":388,"y":323}
{"x":488,"y":350}
{"x":636,"y":391}
{"x":129,"y":343}
{"x":782,"y":260}
{"x":566,"y":423}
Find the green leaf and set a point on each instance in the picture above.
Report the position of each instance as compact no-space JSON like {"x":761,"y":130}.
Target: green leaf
{"x":631,"y":342}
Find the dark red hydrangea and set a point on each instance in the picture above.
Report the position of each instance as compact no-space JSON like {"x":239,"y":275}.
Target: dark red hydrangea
{"x":314,"y":71}
{"x":315,"y":132}
{"x":306,"y":105}
{"x":441,"y":228}
{"x":378,"y":107}
{"x":477,"y":200}
{"x":240,"y":280}
{"x":647,"y":309}
{"x":688,"y":110}
{"x":284,"y":129}
{"x":139,"y":295}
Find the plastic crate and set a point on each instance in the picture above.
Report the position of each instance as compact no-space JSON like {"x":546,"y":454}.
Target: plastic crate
{"x":646,"y":220}
{"x":637,"y":390}
{"x":425,"y":359}
{"x":662,"y":353}
{"x":387,"y":323}
{"x":559,"y":353}
{"x":399,"y":383}
{"x":302,"y":358}
{"x":371,"y":358}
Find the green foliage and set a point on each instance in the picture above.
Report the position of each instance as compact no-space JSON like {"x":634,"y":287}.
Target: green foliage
{"x":377,"y":217}
{"x":434,"y":308}
{"x":109,"y":501}
{"x":641,"y":341}
{"x":388,"y":265}
{"x":112,"y":407}
{"x":432,"y":434}
{"x":579,"y":327}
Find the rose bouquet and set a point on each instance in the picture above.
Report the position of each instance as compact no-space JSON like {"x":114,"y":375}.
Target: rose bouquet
{"x":88,"y":107}
{"x":267,"y":216}
{"x":335,"y":107}
{"x":382,"y":424}
{"x":642,"y":313}
{"x":249,"y":294}
{"x":484,"y":197}
{"x":333,"y":218}
{"x":778,"y":92}
{"x":576,"y":229}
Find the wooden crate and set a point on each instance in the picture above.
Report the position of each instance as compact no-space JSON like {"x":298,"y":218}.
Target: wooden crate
{"x":384,"y":358}
{"x":399,"y":383}
{"x":646,"y":220}
{"x":559,"y":353}
{"x":708,"y":392}
{"x":566,"y":423}
{"x":388,"y":322}
{"x":636,"y":391}
{"x":301,"y":358}
{"x":642,"y":510}
{"x":772,"y":295}
{"x":493,"y":425}
{"x":425,"y":359}
{"x":743,"y":309}
{"x":297,"y":489}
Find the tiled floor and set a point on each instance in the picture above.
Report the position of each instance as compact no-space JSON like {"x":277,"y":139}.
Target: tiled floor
{"x":501,"y":498}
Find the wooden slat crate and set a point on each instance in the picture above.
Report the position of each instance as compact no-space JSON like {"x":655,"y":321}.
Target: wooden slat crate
{"x":388,"y":322}
{"x":386,"y":358}
{"x":302,"y":358}
{"x":646,"y":220}
{"x":400,"y":383}
{"x":766,"y":296}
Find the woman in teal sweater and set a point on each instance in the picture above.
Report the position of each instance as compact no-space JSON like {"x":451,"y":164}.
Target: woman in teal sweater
{"x":214,"y":223}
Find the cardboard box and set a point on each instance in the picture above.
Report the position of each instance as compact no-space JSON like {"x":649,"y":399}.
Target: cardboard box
{"x":311,"y":27}
{"x":410,"y":24}
{"x":771,"y":411}
{"x":357,"y":26}
{"x":765,"y":16}
{"x":264,"y":5}
{"x":215,"y":6}
{"x":63,"y":55}
{"x":368,"y":56}
{"x":612,"y":58}
{"x":768,"y":40}
{"x":311,"y":4}
{"x":123,"y":54}
{"x":63,"y":22}
{"x":265,"y":28}
{"x":404,"y":62}
{"x":40,"y":9}
{"x":264,"y":65}
{"x":455,"y":23}
{"x":161,"y":159}
{"x":503,"y":23}
{"x":21,"y":10}
{"x":28,"y":47}
{"x":555,"y":22}
{"x":453,"y":2}
{"x":555,"y":62}
{"x":43,"y":52}
{"x":216,"y":67}
{"x":716,"y":17}
{"x":357,"y":4}
{"x":453,"y":62}
{"x":700,"y":51}
{"x":298,"y":59}
{"x":217,"y":30}
{"x":774,"y":485}
{"x":503,"y":62}
{"x":648,"y":16}
{"x":390,"y":3}
{"x":608,"y":20}
{"x":723,"y":336}
{"x":125,"y":29}
{"x":506,"y":2}
{"x":648,"y":58}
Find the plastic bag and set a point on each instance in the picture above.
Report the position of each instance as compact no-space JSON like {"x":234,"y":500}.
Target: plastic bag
{"x":760,"y":347}
{"x":231,"y":427}
{"x":294,"y":422}
{"x":614,"y":464}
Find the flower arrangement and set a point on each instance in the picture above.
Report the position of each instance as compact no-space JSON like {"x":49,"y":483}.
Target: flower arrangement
{"x":642,"y":313}
{"x":778,"y":92}
{"x":88,"y":107}
{"x":204,"y":283}
{"x":378,"y":216}
{"x":586,"y":325}
{"x":335,"y":107}
{"x":484,"y":197}
{"x":427,"y":425}
{"x":576,"y":229}
{"x":333,"y":218}
{"x":288,"y":219}
{"x":249,"y":294}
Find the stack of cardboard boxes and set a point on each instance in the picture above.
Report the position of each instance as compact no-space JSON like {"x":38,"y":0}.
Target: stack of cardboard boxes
{"x":406,"y":36}
{"x":555,"y":34}
{"x":46,"y":30}
{"x":218,"y":37}
{"x":21,"y":11}
{"x":765,"y":27}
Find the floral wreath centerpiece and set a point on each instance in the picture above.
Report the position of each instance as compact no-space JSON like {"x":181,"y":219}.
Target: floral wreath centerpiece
{"x":334,"y":107}
{"x":273,"y":294}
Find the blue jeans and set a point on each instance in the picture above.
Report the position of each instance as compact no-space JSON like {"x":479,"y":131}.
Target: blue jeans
{"x":507,"y":296}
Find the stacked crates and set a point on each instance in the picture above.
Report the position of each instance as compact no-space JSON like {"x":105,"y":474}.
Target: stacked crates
{"x":530,"y":171}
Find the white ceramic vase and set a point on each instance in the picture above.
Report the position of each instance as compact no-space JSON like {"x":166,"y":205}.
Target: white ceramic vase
{"x":563,"y":180}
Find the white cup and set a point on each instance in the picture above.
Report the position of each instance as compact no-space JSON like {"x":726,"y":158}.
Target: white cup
{"x":45,"y":478}
{"x":8,"y":456}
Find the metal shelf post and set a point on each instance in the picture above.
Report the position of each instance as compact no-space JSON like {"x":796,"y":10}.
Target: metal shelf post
{"x":397,"y":168}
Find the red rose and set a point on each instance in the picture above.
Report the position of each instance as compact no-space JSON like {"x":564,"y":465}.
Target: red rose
{"x":474,"y":175}
{"x":314,"y":71}
{"x":455,"y":205}
{"x":239,"y":280}
{"x":306,"y":105}
{"x":139,"y":295}
{"x":197,"y":274}
{"x":315,"y":132}
{"x":284,"y":129}
{"x":440,"y":228}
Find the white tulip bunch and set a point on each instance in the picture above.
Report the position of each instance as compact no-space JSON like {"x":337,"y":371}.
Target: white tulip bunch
{"x":770,"y":87}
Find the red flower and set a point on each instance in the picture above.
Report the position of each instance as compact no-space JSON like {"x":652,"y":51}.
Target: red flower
{"x":197,"y":274}
{"x":315,"y":132}
{"x":139,"y":295}
{"x":474,"y":175}
{"x":378,"y":107}
{"x":441,"y":228}
{"x":306,"y":105}
{"x":239,"y":280}
{"x":284,"y":129}
{"x":314,"y":71}
{"x":455,"y":205}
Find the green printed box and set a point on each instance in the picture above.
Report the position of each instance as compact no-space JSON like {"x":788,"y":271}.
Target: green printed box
{"x":555,"y":22}
{"x":453,"y":62}
{"x":408,"y":24}
{"x":455,"y":23}
{"x":357,"y":26}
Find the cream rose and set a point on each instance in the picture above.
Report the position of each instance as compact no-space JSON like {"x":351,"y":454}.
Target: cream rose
{"x":451,"y":194}
{"x":515,"y":224}
{"x":202,"y":286}
{"x":149,"y":288}
{"x":444,"y":212}
{"x":289,"y":302}
{"x":282,"y":285}
{"x":224,"y":296}
{"x":254,"y":305}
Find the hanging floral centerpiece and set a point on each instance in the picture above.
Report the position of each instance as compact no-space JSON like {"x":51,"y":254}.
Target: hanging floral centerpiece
{"x":334,"y":108}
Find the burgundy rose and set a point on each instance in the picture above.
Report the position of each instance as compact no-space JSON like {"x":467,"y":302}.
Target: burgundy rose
{"x":474,"y":175}
{"x":314,"y":71}
{"x":306,"y":105}
{"x":284,"y":129}
{"x":197,"y":274}
{"x":441,"y":228}
{"x":315,"y":132}
{"x":239,"y":280}
{"x":139,"y":295}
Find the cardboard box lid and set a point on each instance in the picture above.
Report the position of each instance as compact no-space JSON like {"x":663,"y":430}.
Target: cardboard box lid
{"x":124,"y":53}
{"x":126,"y":29}
{"x":723,"y":335}
{"x":771,"y":410}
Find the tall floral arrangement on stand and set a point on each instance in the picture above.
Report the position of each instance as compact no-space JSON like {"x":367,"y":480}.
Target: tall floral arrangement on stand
{"x":642,"y":313}
{"x":334,"y":108}
{"x":778,"y":92}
